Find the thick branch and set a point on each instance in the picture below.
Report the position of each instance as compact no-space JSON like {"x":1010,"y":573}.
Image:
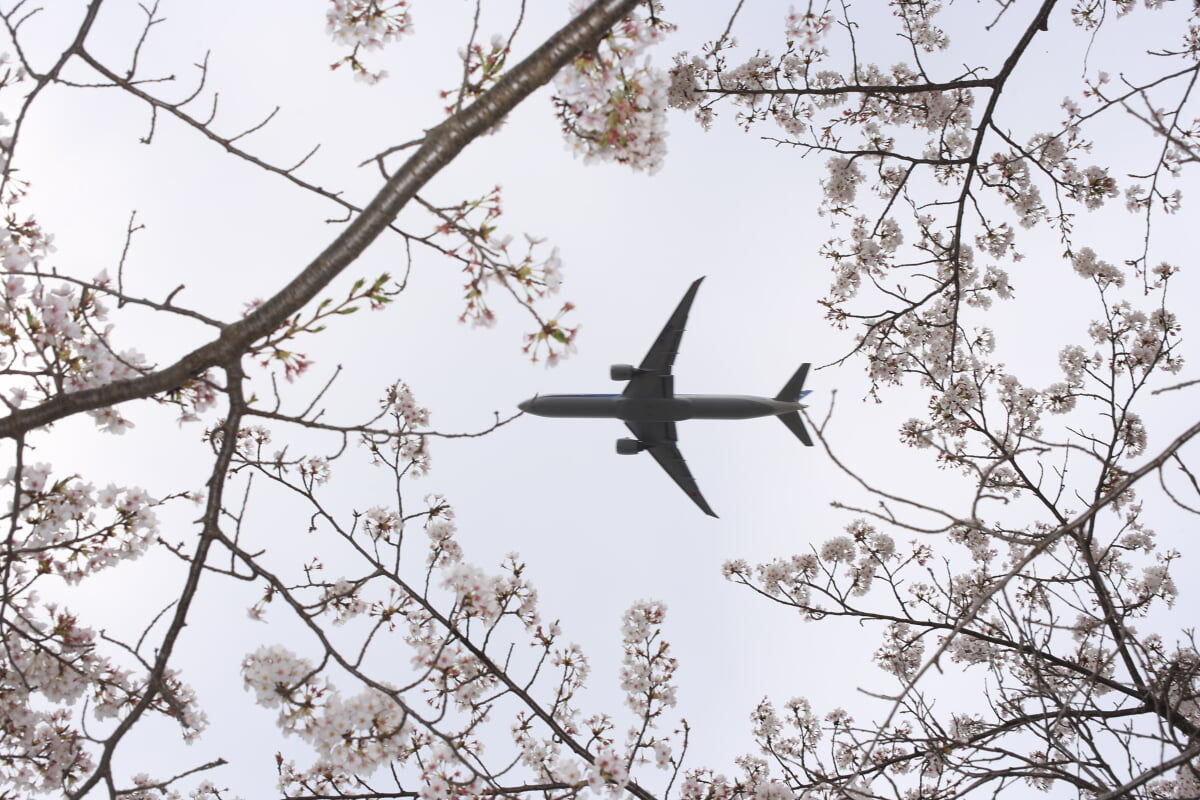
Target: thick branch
{"x":156,"y":680}
{"x":441,"y":145}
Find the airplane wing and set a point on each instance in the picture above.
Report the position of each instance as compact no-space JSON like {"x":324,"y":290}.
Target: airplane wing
{"x":659,"y":438}
{"x":654,"y":375}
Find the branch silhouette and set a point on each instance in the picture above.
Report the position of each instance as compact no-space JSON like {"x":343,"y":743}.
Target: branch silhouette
{"x":439,"y":147}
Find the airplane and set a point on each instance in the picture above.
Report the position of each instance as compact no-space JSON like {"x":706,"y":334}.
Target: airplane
{"x":650,"y":408}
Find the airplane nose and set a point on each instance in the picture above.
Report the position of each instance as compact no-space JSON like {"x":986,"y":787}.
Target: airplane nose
{"x":525,"y":404}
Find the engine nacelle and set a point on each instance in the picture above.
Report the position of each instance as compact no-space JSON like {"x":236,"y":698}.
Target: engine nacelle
{"x":628,"y":447}
{"x":622,"y":372}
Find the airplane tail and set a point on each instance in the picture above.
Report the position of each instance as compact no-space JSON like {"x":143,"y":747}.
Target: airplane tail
{"x":792,"y":392}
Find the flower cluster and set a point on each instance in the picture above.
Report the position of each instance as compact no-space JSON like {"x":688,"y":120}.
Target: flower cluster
{"x":399,"y":400}
{"x":557,"y":338}
{"x":351,"y":734}
{"x":54,"y":334}
{"x":54,"y":751}
{"x":479,"y":594}
{"x":789,"y":735}
{"x":787,"y":578}
{"x":919,"y":28}
{"x":609,"y":773}
{"x":52,"y":662}
{"x":648,"y":667}
{"x":444,"y":776}
{"x":1140,"y":342}
{"x":440,"y":528}
{"x":343,"y":600}
{"x":901,"y":651}
{"x":1089,"y":266}
{"x":698,"y":82}
{"x":273,"y":673}
{"x":366,"y":25}
{"x":806,"y":28}
{"x":800,"y":580}
{"x":383,"y":524}
{"x":611,"y":108}
{"x":406,"y":444}
{"x":842,"y":184}
{"x":755,"y":784}
{"x":11,"y":75}
{"x":62,"y":529}
{"x":490,"y":260}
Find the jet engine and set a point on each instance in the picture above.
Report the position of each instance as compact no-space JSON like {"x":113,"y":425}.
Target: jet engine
{"x":622,"y":372}
{"x":628,"y":447}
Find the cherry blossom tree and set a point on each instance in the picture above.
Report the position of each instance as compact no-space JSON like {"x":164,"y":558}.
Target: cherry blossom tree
{"x":73,"y":694}
{"x":1041,"y":585}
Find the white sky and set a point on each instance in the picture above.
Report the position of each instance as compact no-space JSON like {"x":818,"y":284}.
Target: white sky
{"x":598,"y":531}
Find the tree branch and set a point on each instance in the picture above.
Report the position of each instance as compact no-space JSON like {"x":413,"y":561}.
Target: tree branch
{"x":441,"y":145}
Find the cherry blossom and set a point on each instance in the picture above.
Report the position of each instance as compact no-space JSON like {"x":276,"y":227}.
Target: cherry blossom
{"x":611,"y":108}
{"x":366,"y":25}
{"x":422,"y":673}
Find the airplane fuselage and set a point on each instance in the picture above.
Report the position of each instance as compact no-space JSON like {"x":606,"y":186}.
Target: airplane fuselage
{"x":668,"y":409}
{"x":650,"y":408}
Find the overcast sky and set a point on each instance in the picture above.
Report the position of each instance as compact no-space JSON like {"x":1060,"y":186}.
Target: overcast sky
{"x":598,"y":531}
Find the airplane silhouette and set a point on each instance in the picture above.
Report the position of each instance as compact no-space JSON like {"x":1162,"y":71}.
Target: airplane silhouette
{"x":650,"y":408}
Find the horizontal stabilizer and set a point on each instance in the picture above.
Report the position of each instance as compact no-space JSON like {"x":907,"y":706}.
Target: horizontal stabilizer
{"x":796,"y":426}
{"x":790,"y":393}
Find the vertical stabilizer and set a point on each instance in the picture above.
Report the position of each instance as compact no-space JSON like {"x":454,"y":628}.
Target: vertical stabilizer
{"x":790,"y":393}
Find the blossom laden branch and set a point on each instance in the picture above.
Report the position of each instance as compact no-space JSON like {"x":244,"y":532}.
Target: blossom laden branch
{"x":439,"y":147}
